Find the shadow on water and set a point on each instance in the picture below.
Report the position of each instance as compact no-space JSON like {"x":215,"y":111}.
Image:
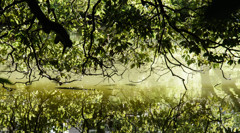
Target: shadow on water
{"x":115,"y":108}
{"x":73,"y":88}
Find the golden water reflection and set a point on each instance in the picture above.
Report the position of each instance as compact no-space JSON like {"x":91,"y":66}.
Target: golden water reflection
{"x":114,"y":108}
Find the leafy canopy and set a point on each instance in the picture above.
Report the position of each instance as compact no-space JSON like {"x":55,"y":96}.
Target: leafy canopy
{"x":94,"y":36}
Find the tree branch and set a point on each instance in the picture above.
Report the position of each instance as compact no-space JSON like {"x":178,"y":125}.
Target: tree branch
{"x":48,"y":25}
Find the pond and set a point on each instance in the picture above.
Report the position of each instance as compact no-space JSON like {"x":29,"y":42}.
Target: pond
{"x":148,"y":106}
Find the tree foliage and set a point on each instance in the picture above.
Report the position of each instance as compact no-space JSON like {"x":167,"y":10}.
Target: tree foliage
{"x":36,"y":110}
{"x":96,"y":35}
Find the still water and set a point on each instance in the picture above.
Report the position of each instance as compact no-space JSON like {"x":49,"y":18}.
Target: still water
{"x":211,"y":104}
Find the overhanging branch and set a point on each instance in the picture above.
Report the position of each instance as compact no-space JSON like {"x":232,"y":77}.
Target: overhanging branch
{"x":48,"y":25}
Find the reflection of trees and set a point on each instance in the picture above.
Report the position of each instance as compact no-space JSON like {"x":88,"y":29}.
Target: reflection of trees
{"x":37,"y":111}
{"x":228,"y":85}
{"x":43,"y":111}
{"x":207,"y":87}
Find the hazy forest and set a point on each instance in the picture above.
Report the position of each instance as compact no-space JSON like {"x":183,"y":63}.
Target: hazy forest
{"x":106,"y":66}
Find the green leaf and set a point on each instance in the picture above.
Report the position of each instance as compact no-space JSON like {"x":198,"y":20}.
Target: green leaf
{"x":230,"y":62}
{"x":132,"y":66}
{"x":6,"y":81}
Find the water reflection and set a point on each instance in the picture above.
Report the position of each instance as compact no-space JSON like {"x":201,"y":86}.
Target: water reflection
{"x":113,"y":109}
{"x":218,"y":83}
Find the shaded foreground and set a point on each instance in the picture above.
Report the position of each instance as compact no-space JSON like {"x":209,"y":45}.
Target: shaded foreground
{"x":114,"y":110}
